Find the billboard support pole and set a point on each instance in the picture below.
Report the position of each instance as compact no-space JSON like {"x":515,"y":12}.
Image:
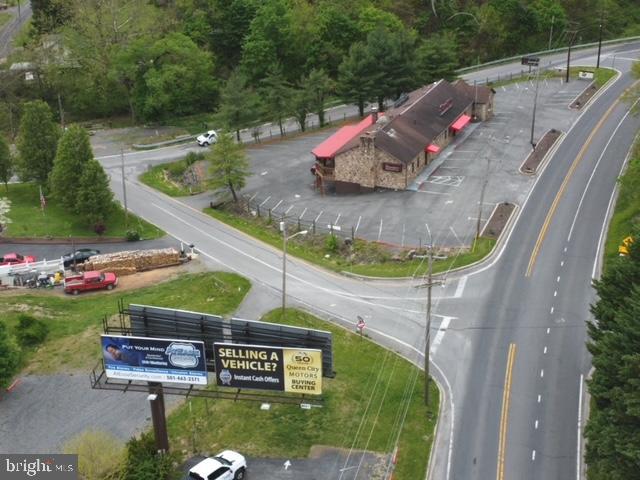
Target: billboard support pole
{"x":156,"y":400}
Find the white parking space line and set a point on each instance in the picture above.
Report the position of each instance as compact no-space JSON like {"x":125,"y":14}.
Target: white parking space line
{"x":358,"y":224}
{"x":316,"y":220}
{"x":302,"y":214}
{"x":402,"y":240}
{"x":433,"y":193}
{"x":288,"y":209}
{"x":380,"y":230}
{"x":277,"y":205}
{"x":265,"y":200}
{"x":337,"y":219}
{"x":253,"y":196}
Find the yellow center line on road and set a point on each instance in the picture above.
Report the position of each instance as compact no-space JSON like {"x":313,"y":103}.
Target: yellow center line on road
{"x":504,"y":417}
{"x":554,"y":205}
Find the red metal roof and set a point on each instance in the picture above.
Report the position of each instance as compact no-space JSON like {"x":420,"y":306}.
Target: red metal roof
{"x":335,"y":142}
{"x":461,"y":122}
{"x":431,"y":148}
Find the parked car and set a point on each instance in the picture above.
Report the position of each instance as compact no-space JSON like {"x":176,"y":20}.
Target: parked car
{"x":79,"y":256}
{"x":208,"y":138}
{"x":82,"y":282}
{"x":227,"y":465}
{"x":16,"y":259}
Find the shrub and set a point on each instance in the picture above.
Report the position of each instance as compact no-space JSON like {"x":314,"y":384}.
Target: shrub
{"x":30,"y":330}
{"x":99,"y":228}
{"x":176,"y":169}
{"x":142,"y":462}
{"x":100,"y":454}
{"x":331,"y":244}
{"x":132,"y":235}
{"x":193,"y":157}
{"x":9,"y":356}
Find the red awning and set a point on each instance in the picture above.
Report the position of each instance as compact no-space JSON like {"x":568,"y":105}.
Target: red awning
{"x":335,"y":142}
{"x":431,"y":148}
{"x":460,"y":123}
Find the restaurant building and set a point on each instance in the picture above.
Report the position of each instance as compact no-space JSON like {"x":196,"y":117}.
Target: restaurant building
{"x":390,"y":149}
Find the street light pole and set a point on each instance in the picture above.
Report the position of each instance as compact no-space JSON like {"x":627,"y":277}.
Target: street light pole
{"x":535,"y":105}
{"x":427,"y":348}
{"x":285,"y":239}
{"x":124,"y":189}
{"x":569,"y":54}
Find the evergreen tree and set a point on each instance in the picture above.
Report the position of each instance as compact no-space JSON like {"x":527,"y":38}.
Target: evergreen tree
{"x":6,"y":163}
{"x":239,"y":104}
{"x":228,"y":165}
{"x":73,"y":153}
{"x":436,"y":58}
{"x":276,"y":96}
{"x":37,"y":141}
{"x":355,"y":82}
{"x":301,"y":104}
{"x":94,"y":200}
{"x":318,"y":86}
{"x":9,"y":356}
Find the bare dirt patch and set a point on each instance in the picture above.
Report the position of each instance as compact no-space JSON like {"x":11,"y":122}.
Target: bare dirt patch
{"x":498,"y":221}
{"x":531,"y":164}
{"x":585,"y":96}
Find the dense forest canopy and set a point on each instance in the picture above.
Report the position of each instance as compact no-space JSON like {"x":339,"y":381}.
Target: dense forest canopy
{"x":166,"y":58}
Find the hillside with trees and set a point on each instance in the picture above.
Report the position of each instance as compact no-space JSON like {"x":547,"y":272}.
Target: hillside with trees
{"x":155,"y":60}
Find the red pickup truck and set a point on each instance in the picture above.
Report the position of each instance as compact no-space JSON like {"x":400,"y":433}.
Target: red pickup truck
{"x":75,"y":284}
{"x":15,"y":259}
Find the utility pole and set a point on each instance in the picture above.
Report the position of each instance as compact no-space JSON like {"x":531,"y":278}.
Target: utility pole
{"x":535,"y":105}
{"x":571,"y":39}
{"x":124,"y":189}
{"x":427,"y":347}
{"x":599,"y":41}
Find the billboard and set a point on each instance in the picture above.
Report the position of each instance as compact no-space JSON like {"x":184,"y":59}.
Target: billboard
{"x":154,"y":359}
{"x":292,"y":370}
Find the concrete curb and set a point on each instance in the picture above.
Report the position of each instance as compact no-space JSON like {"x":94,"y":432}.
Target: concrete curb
{"x":546,"y":157}
{"x":175,"y":141}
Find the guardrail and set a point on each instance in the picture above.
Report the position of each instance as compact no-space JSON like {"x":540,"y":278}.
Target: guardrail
{"x":582,"y":46}
{"x":17,"y":274}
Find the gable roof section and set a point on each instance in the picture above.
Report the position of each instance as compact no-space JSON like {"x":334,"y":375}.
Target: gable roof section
{"x":481,"y":93}
{"x":415,"y":125}
{"x":341,"y":138}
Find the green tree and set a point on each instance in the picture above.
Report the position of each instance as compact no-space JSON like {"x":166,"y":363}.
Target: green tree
{"x":318,"y":86}
{"x":239,"y":103}
{"x":228,"y":165}
{"x":49,"y":15}
{"x":73,"y":153}
{"x":355,"y":82}
{"x":179,"y":80}
{"x":436,"y":58}
{"x":37,"y":141}
{"x":276,"y":96}
{"x":372,"y":18}
{"x":6,"y":163}
{"x":143,"y":462}
{"x":9,"y":356}
{"x":301,"y":105}
{"x":94,"y":199}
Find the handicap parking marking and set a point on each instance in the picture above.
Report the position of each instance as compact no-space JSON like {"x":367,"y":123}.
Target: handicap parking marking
{"x":448,"y":180}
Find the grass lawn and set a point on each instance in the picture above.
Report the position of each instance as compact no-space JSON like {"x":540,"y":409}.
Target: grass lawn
{"x":315,"y":253}
{"x":627,"y":209}
{"x":29,"y":221}
{"x":75,"y":323}
{"x":4,"y":18}
{"x":365,"y":373}
{"x":155,"y":178}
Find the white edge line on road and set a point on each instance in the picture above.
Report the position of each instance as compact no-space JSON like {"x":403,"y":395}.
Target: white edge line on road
{"x":608,"y":214}
{"x":540,"y":175}
{"x":440,"y":335}
{"x":593,"y":172}
{"x":579,"y":449}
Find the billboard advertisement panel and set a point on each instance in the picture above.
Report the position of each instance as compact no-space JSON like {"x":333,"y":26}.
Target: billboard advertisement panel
{"x":154,"y":359}
{"x":292,"y":370}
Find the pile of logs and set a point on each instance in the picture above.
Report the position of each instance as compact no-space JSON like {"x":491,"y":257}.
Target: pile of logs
{"x":132,"y":261}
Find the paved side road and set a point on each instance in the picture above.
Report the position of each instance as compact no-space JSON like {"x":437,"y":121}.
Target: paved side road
{"x":43,"y":412}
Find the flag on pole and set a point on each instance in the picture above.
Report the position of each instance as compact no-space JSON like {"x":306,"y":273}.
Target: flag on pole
{"x":43,"y":201}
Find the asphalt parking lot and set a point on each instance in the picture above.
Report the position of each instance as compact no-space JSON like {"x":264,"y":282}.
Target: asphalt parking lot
{"x":446,"y":197}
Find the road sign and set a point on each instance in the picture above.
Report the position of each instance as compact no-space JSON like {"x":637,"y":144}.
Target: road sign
{"x":531,"y":61}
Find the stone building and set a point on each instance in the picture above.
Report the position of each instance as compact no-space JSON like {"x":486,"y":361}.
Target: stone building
{"x":390,"y":150}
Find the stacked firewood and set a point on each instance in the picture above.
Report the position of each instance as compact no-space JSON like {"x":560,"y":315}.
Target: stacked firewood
{"x":132,"y":261}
